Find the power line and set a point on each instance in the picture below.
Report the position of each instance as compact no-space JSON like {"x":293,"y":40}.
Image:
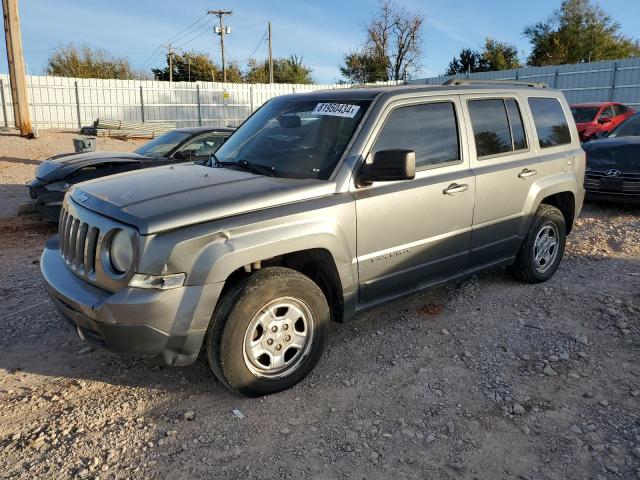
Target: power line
{"x":264,"y":35}
{"x":175,"y":37}
{"x":188,"y":30}
{"x":200,"y":32}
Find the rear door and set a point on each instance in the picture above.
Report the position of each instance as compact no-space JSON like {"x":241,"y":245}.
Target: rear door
{"x":415,"y":233}
{"x":507,"y":171}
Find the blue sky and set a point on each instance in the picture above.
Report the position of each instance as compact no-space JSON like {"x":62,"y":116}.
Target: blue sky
{"x":320,"y":31}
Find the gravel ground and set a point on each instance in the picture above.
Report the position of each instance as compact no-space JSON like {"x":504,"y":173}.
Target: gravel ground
{"x":484,"y":379}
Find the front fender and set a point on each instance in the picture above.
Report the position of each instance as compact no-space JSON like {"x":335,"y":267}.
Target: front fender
{"x":210,"y":252}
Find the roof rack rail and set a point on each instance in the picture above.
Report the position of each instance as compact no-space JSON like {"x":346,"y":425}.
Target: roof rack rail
{"x":464,"y":81}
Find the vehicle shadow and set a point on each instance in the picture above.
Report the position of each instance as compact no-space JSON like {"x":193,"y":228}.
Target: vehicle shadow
{"x":20,"y":161}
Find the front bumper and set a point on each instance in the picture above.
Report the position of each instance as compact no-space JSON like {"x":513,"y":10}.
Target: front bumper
{"x":614,"y":197}
{"x":48,"y":203}
{"x":166,"y":325}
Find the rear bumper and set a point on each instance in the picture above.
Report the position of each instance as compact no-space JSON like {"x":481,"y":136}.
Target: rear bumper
{"x":166,"y":325}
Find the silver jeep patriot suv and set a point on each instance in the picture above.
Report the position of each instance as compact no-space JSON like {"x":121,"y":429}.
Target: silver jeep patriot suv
{"x":319,"y":206}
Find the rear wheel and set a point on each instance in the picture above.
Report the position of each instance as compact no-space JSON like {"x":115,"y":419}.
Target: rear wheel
{"x":268,"y":332}
{"x":542,"y":250}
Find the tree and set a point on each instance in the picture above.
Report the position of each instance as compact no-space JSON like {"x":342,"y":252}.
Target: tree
{"x":393,"y":45}
{"x":194,"y":66}
{"x":578,"y":32}
{"x":468,"y":61}
{"x":86,"y":62}
{"x":495,"y":55}
{"x":364,"y":67}
{"x":285,"y":70}
{"x":500,"y":55}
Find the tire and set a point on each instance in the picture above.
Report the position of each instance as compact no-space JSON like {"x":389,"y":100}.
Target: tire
{"x":531,"y":266}
{"x":242,"y":327}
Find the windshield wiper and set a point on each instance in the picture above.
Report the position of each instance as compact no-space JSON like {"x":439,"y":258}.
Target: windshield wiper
{"x":246,"y":165}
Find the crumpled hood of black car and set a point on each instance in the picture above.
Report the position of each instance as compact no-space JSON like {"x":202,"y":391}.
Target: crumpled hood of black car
{"x":56,"y":168}
{"x":174,"y":196}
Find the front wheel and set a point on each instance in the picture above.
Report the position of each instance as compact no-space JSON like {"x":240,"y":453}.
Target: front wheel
{"x":268,"y":332}
{"x":542,"y":250}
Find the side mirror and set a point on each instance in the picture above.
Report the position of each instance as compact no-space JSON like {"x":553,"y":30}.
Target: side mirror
{"x":604,"y":119}
{"x":389,"y":166}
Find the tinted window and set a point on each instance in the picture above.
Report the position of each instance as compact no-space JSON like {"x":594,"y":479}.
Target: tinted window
{"x":584,"y":114}
{"x":430,"y":130}
{"x":619,"y":110}
{"x":607,"y":112}
{"x":162,"y":145}
{"x":490,"y":127}
{"x":629,"y":127}
{"x":551,"y":124}
{"x":201,"y":148}
{"x":517,"y":128}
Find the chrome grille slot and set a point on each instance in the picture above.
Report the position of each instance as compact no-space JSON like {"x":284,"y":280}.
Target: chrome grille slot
{"x":73,"y":240}
{"x":78,"y":244}
{"x":91,"y":250}
{"x":78,"y":257}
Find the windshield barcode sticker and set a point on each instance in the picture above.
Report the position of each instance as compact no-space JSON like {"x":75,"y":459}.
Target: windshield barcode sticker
{"x":336,"y":109}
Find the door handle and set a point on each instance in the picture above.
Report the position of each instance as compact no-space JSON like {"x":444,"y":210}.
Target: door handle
{"x":527,"y":173}
{"x":455,"y":188}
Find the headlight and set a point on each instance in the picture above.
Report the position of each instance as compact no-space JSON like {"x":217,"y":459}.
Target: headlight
{"x":57,"y":187}
{"x":121,"y":252}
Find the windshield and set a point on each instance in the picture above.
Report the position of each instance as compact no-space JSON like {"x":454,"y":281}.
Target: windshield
{"x":584,"y":114}
{"x":628,"y":128}
{"x":161,"y":146}
{"x":295,"y":138}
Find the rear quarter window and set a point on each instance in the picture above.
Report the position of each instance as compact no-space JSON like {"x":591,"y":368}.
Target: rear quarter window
{"x":551,"y":122}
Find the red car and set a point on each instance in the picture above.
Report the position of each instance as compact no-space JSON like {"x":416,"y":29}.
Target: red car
{"x":596,"y":119}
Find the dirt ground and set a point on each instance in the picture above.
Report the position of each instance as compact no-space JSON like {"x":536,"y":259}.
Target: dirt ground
{"x":484,"y":379}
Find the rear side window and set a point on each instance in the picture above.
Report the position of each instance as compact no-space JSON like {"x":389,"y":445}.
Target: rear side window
{"x":497,"y":126}
{"x":551,"y":123}
{"x":430,"y":130}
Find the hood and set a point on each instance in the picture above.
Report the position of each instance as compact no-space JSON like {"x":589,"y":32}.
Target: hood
{"x":622,"y":153}
{"x":56,"y":168}
{"x":173,"y":196}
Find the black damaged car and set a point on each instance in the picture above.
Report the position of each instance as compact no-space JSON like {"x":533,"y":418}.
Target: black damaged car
{"x":613,"y":165}
{"x":57,"y":174}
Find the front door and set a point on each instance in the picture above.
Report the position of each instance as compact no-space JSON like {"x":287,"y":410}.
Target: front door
{"x":416,"y":233}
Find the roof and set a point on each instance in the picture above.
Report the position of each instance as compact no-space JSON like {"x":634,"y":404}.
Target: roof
{"x":205,"y":129}
{"x":371,"y":92}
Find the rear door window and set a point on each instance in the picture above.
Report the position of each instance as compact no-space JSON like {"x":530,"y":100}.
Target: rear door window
{"x":517,"y":127}
{"x":497,"y":126}
{"x":551,"y":123}
{"x":430,"y":130}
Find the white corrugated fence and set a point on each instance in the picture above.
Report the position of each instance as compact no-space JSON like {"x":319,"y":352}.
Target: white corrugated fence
{"x":69,"y":103}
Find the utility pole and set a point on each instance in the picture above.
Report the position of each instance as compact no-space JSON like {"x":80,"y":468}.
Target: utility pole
{"x":15,"y":59}
{"x":170,"y":55}
{"x":270,"y":55}
{"x":222,"y":31}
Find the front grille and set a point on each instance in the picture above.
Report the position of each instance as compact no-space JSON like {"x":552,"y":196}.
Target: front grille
{"x":625,"y":183}
{"x":78,"y":244}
